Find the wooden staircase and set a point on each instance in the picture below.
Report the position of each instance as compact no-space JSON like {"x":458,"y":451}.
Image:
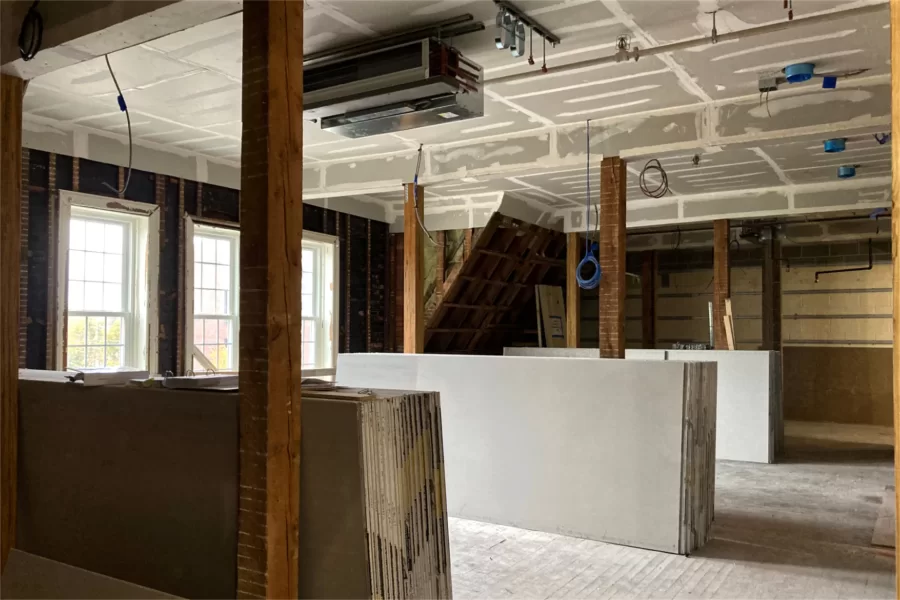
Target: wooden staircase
{"x":488,"y":301}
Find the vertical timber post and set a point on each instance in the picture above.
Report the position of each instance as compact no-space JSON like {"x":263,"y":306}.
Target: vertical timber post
{"x":12,"y":90}
{"x":721,"y":281}
{"x":648,"y":299}
{"x":413,"y":276}
{"x":271,"y":240}
{"x":574,"y":250}
{"x":612,"y":257}
{"x":895,"y":248}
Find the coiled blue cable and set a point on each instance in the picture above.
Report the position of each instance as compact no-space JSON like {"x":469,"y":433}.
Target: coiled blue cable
{"x":593,"y":281}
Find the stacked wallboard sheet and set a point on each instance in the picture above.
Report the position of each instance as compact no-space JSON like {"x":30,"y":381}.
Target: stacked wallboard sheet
{"x":750,"y":421}
{"x":151,"y":485}
{"x":611,"y":450}
{"x":402,"y":463}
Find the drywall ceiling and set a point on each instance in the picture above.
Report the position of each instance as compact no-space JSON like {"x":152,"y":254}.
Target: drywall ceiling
{"x":184,"y":94}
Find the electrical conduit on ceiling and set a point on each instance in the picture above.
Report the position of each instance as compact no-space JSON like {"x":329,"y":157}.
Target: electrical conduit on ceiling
{"x":702,"y":41}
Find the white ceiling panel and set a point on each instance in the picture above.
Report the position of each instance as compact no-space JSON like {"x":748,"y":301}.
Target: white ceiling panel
{"x":184,"y":90}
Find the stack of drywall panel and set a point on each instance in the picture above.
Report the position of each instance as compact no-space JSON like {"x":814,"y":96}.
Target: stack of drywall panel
{"x":402,"y":464}
{"x":611,"y":450}
{"x":150,"y":481}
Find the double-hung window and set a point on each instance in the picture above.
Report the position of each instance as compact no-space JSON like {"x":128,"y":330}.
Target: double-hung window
{"x":214,"y":310}
{"x":319,"y":304}
{"x":212,"y":281}
{"x":105,"y":283}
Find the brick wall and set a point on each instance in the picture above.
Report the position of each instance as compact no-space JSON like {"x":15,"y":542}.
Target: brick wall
{"x":364,"y":276}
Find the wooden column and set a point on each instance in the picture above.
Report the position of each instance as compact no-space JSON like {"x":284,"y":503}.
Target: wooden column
{"x":895,"y":243}
{"x":12,"y":91}
{"x":721,"y":281}
{"x":413,"y":277}
{"x":574,"y":254}
{"x":612,"y":257}
{"x":270,"y":348}
{"x":771,"y":293}
{"x":648,"y":299}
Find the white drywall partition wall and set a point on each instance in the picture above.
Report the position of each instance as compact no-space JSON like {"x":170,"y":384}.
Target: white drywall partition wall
{"x":585,"y":447}
{"x":749,"y":419}
{"x":746,"y":403}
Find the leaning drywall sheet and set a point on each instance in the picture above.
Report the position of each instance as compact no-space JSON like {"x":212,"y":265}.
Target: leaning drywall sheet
{"x":583,"y":447}
{"x":744,"y":421}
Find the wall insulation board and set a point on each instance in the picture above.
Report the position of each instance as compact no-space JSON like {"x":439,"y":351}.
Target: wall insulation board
{"x":149,"y":479}
{"x":590,"y":448}
{"x":749,"y":419}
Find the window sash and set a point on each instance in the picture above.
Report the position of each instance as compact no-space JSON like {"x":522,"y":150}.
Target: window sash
{"x":143,"y":332}
{"x":322,"y":317}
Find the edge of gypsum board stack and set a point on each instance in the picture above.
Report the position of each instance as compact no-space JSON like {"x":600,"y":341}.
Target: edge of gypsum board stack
{"x":698,"y":456}
{"x":402,"y":460}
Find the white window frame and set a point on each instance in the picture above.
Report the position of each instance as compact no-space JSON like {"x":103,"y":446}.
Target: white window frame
{"x":191,"y":228}
{"x":143,"y":346}
{"x":331,"y":298}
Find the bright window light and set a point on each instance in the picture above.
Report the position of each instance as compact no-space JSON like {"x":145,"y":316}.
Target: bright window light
{"x":215,"y":315}
{"x":108,"y":277}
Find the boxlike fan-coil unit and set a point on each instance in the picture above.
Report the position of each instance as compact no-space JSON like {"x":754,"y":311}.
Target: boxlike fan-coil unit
{"x":391,"y":89}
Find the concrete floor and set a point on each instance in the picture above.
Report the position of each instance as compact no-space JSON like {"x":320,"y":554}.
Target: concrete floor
{"x":798,"y":529}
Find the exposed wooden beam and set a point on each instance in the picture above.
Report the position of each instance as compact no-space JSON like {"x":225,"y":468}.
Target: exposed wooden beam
{"x":557,"y":262}
{"x":75,"y":32}
{"x":574,"y":254}
{"x":721,"y":281}
{"x":413,"y":275}
{"x":12,"y":90}
{"x":474,"y":306}
{"x":612,"y":257}
{"x":489,"y":281}
{"x":648,"y":299}
{"x":270,"y":348}
{"x":895,"y":242}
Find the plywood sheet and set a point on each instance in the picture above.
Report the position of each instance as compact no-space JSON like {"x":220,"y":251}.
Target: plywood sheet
{"x":552,"y":315}
{"x":585,"y":447}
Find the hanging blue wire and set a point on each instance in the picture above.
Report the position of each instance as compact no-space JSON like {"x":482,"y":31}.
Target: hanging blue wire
{"x":593,"y":281}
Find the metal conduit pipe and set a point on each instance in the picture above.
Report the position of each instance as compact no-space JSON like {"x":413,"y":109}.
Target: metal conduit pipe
{"x":702,"y":41}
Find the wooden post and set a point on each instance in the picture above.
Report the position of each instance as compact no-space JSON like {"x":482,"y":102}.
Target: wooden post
{"x":413,"y":277}
{"x":895,"y":243}
{"x":771,"y":293}
{"x":574,"y":254}
{"x":270,"y":348}
{"x":12,"y":90}
{"x":612,"y":257}
{"x":648,"y":299}
{"x":721,"y":281}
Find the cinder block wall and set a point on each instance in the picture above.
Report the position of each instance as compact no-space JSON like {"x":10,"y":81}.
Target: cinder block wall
{"x":837,"y":333}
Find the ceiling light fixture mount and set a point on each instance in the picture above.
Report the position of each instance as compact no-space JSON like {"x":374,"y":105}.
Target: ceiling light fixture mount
{"x":511,"y":24}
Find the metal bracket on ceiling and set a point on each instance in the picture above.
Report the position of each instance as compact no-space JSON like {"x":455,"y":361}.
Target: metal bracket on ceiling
{"x":521,"y":17}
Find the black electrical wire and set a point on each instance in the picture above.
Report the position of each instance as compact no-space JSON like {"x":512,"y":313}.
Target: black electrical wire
{"x":124,"y":108}
{"x":653,"y":166}
{"x":416,"y":197}
{"x":31,"y":33}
